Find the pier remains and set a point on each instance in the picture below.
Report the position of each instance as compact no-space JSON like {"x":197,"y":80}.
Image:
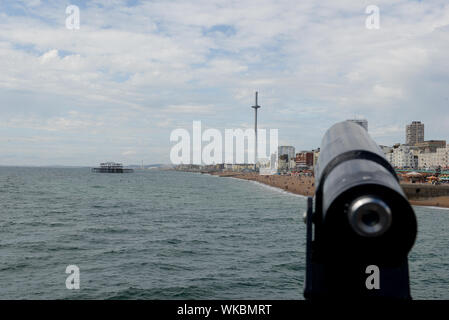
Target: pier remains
{"x":111,"y":167}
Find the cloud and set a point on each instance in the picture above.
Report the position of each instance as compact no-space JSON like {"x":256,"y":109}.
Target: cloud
{"x":129,"y":153}
{"x":191,"y":109}
{"x":135,"y":72}
{"x":49,"y":56}
{"x":71,"y":122}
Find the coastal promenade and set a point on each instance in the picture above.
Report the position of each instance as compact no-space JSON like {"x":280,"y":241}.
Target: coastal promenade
{"x":418,"y":194}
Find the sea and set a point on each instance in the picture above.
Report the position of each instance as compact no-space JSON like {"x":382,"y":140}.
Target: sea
{"x":156,"y":234}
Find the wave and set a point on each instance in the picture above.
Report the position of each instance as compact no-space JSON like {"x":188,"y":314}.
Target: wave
{"x":187,"y":292}
{"x":279,"y":190}
{"x":433,"y":207}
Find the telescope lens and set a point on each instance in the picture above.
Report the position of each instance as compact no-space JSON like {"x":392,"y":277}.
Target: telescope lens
{"x":369,"y":216}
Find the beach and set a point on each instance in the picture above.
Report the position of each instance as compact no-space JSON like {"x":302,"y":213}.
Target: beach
{"x":302,"y":185}
{"x":305,"y":185}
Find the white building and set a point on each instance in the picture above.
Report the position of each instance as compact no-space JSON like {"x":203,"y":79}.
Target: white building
{"x":292,"y":164}
{"x":402,"y":157}
{"x":274,"y":162}
{"x":316,"y":154}
{"x":386,"y":149}
{"x":269,"y":166}
{"x":389,"y":156}
{"x":432,"y":160}
{"x":443,"y":156}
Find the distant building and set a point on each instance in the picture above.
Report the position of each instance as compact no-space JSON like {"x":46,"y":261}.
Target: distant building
{"x":432,"y":160}
{"x":388,"y":152}
{"x":304,"y":159}
{"x":403,"y":157}
{"x":283,"y":163}
{"x":269,"y":166}
{"x":361,"y":122}
{"x":274,"y":161}
{"x":288,"y":150}
{"x":242,"y":167}
{"x":414,"y":133}
{"x":292,"y":164}
{"x":431,"y":145}
{"x":316,"y":154}
{"x":443,"y":157}
{"x":286,"y":158}
{"x":386,"y":149}
{"x":389,"y":157}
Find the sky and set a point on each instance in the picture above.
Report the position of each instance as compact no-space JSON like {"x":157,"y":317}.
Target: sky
{"x":114,"y":89}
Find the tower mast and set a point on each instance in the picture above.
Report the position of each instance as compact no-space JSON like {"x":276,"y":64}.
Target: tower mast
{"x":256,"y":106}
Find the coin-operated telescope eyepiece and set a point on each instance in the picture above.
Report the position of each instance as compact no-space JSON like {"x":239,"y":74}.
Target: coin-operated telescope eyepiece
{"x":369,"y":216}
{"x":362,"y":218}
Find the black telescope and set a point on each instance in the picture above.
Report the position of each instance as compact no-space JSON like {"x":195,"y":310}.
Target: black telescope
{"x":362,"y":227}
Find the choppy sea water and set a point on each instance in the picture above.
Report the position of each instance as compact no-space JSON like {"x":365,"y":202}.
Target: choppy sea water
{"x":170,"y":235}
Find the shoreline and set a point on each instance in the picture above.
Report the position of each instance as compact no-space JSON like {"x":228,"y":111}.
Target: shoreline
{"x":305,"y":186}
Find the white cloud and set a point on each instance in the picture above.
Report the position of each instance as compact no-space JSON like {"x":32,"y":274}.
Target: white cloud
{"x":191,"y":109}
{"x":49,"y":56}
{"x":129,"y":152}
{"x":314,"y":63}
{"x":386,"y":92}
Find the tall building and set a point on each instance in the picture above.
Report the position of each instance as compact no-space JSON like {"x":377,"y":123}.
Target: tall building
{"x":288,"y":150}
{"x":286,"y":156}
{"x":361,"y":122}
{"x":414,"y":133}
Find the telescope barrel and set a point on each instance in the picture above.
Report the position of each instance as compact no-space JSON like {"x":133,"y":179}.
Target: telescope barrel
{"x":359,"y":196}
{"x":361,"y":217}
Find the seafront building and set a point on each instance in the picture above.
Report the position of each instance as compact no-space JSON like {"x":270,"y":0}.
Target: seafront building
{"x":432,"y":160}
{"x":286,"y":159}
{"x":386,"y":149}
{"x":316,"y":154}
{"x":288,"y":150}
{"x":403,"y":157}
{"x":417,"y":153}
{"x":408,"y":157}
{"x":304,"y":159}
{"x":430,"y":145}
{"x":414,"y":155}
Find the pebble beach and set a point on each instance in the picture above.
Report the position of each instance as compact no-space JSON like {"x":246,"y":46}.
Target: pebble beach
{"x":305,"y":185}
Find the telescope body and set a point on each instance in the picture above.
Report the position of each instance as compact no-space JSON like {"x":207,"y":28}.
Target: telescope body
{"x":361,"y":218}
